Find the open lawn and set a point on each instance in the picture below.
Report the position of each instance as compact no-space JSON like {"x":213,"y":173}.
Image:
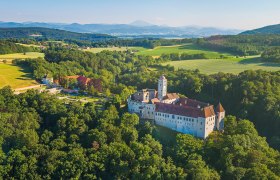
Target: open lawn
{"x":14,"y":76}
{"x":235,"y":65}
{"x":187,"y":48}
{"x":10,"y":57}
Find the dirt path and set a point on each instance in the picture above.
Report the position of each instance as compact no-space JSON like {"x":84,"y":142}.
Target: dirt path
{"x":19,"y":90}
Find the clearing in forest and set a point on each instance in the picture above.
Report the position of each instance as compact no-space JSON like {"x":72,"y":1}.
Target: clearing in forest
{"x":15,"y":76}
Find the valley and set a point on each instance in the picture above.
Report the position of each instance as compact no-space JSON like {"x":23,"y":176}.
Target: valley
{"x":73,"y":108}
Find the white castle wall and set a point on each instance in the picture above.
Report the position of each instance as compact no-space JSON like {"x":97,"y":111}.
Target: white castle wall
{"x":198,"y":127}
{"x":187,"y":125}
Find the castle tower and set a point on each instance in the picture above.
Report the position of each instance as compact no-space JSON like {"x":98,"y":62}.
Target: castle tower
{"x":220,"y":117}
{"x":162,"y":87}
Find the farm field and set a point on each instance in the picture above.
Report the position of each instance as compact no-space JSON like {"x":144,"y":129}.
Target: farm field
{"x":10,"y":57}
{"x":15,"y":76}
{"x":187,"y":48}
{"x":235,"y":66}
{"x":97,"y":50}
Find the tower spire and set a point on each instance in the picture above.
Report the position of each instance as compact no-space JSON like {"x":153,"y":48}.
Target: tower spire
{"x":162,"y":87}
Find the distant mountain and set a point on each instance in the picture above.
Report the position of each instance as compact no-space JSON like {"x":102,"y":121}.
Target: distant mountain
{"x":39,"y":32}
{"x":137,"y":28}
{"x":140,"y":23}
{"x":273,"y":29}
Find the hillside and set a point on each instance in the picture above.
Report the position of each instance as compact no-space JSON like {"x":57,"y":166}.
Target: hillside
{"x":137,"y":28}
{"x":273,"y":29}
{"x":7,"y":47}
{"x":55,"y":34}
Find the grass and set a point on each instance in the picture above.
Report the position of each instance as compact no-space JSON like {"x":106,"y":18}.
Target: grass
{"x":28,"y":45}
{"x":10,"y":57}
{"x":187,"y":48}
{"x":231,"y":65}
{"x":15,"y":76}
{"x":97,"y":50}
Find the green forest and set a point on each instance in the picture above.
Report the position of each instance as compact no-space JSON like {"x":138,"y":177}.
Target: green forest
{"x":42,"y":137}
{"x":272,"y":55}
{"x":242,"y":45}
{"x":46,"y":33}
{"x":7,"y":47}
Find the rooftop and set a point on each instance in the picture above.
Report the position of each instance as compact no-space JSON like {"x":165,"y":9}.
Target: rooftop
{"x":185,"y":110}
{"x":187,"y":107}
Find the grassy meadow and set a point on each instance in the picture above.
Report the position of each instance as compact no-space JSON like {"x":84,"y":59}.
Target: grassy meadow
{"x":97,"y":50}
{"x":231,"y":65}
{"x":187,"y":48}
{"x":15,"y":76}
{"x":10,"y":57}
{"x":28,"y":45}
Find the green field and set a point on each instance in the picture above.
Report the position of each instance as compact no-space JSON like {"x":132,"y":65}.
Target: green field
{"x":15,"y":76}
{"x":232,"y":65}
{"x":28,"y":45}
{"x":10,"y":57}
{"x":187,"y":48}
{"x":97,"y":50}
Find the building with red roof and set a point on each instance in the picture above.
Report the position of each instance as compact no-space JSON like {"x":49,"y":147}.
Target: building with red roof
{"x":84,"y":82}
{"x":184,"y":115}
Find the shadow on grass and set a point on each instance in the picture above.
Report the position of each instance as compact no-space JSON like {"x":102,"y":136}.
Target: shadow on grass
{"x":197,"y":47}
{"x":259,"y":61}
{"x":27,"y":72}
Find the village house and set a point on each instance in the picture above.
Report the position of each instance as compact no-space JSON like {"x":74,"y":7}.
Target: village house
{"x":183,"y":115}
{"x":47,"y":80}
{"x":84,"y":82}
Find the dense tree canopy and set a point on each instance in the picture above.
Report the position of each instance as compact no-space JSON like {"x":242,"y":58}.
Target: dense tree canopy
{"x":43,"y":138}
{"x":272,"y":55}
{"x":7,"y":47}
{"x":242,"y":45}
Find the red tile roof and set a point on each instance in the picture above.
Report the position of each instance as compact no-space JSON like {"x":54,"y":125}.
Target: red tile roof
{"x":96,"y":83}
{"x":155,"y":100}
{"x":185,"y":110}
{"x":192,"y":102}
{"x":84,"y":81}
{"x":220,"y":108}
{"x":171,"y":96}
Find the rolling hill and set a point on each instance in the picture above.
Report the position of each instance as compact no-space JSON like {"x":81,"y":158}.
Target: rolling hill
{"x":137,"y":28}
{"x":272,"y":29}
{"x":55,"y":34}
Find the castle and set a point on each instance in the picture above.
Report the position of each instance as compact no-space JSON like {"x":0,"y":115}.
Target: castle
{"x":183,"y":115}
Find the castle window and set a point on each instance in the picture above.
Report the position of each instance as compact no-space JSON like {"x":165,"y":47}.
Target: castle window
{"x":173,"y":117}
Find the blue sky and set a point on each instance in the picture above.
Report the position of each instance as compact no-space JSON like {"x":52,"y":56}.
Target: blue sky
{"x":237,"y":14}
